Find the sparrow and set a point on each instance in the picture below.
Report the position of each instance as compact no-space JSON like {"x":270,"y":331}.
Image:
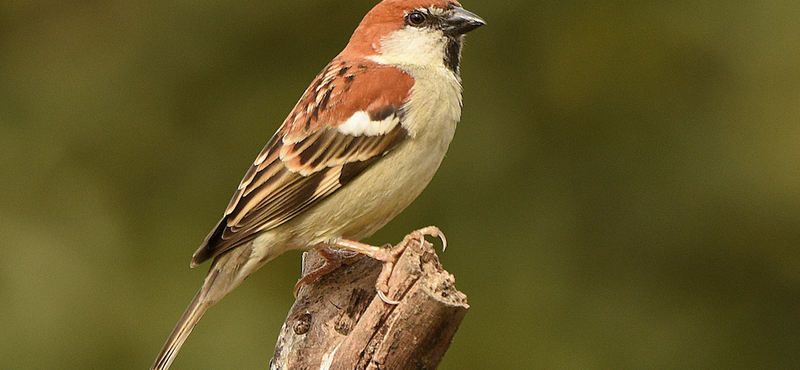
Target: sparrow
{"x":361,"y":144}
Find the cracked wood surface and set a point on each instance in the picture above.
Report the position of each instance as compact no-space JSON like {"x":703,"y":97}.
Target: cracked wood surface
{"x":339,"y":322}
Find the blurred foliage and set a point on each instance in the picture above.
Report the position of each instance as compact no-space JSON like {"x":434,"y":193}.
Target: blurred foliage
{"x":623,"y":191}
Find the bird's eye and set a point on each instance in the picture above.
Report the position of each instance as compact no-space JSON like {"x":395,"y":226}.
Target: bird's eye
{"x":416,"y":18}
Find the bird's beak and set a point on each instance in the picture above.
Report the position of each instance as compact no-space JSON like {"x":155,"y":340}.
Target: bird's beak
{"x":461,"y":22}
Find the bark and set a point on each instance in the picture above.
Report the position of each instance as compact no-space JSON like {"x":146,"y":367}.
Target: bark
{"x":339,"y":322}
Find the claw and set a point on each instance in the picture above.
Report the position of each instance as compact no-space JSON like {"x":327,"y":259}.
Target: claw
{"x":333,"y":259}
{"x":388,"y":255}
{"x":386,"y":299}
{"x":444,"y":240}
{"x":434,"y":232}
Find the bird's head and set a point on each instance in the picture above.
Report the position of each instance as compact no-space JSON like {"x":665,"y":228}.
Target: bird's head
{"x":413,"y":33}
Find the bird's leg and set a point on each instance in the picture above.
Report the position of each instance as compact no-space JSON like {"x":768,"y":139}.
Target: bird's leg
{"x":334,"y":258}
{"x":389,"y":255}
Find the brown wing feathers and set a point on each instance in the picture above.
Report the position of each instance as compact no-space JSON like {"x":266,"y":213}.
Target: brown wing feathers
{"x":308,"y":158}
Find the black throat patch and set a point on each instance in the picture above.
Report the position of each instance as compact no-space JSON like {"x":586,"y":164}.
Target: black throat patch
{"x":452,"y":53}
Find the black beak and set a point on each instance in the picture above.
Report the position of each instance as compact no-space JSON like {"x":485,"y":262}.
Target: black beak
{"x":461,"y":22}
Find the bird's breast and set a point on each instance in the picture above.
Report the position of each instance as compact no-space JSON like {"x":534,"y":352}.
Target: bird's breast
{"x":389,"y":185}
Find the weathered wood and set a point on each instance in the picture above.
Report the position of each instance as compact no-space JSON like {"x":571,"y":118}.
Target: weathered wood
{"x":339,"y":322}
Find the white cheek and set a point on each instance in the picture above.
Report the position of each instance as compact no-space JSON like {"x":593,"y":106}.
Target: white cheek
{"x":360,"y":124}
{"x":412,"y":46}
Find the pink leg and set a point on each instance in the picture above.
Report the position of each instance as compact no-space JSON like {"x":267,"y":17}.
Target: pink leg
{"x":389,"y":255}
{"x":333,"y":259}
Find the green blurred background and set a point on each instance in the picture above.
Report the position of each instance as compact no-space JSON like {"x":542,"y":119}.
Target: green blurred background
{"x":623,"y":191}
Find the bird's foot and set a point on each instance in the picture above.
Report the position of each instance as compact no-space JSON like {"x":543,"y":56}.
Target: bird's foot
{"x":334,"y":258}
{"x":389,"y":255}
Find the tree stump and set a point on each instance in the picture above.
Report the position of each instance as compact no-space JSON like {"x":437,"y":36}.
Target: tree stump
{"x":339,"y":322}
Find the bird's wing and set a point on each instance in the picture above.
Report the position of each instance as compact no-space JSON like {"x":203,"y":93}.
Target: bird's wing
{"x":347,"y":119}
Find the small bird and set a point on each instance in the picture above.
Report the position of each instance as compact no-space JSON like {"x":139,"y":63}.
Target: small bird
{"x":361,"y":144}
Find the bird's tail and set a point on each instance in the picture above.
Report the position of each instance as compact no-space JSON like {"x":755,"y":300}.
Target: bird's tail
{"x":203,"y":300}
{"x":226,"y":273}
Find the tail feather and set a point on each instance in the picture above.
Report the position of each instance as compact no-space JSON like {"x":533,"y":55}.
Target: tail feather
{"x":197,"y":308}
{"x":226,"y":273}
